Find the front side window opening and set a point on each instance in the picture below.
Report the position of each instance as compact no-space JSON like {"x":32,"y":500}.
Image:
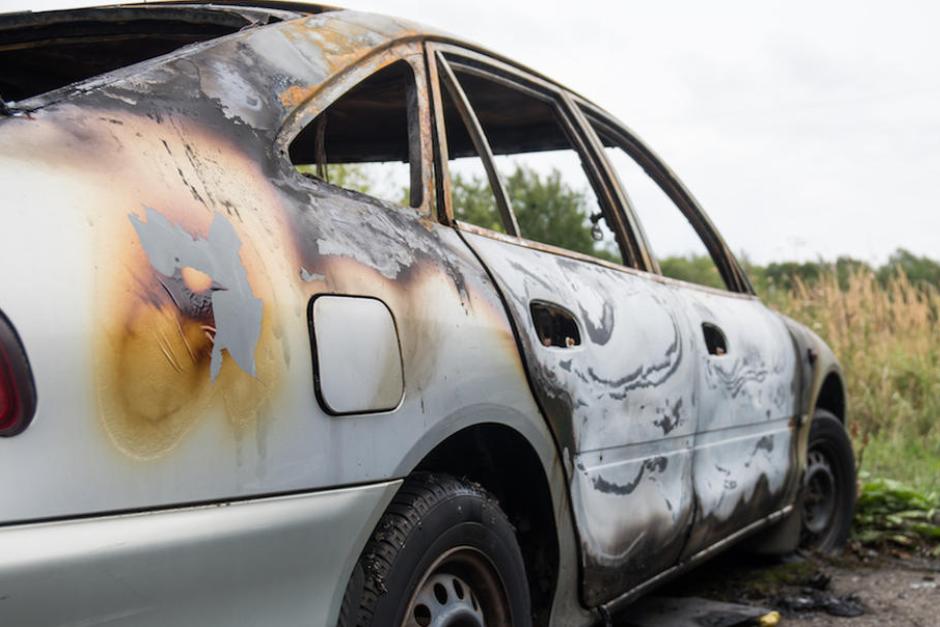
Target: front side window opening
{"x":550,"y":193}
{"x":672,"y":239}
{"x":368,"y":140}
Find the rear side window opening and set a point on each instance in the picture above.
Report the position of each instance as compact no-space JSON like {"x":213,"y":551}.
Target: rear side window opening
{"x":368,"y":140}
{"x":42,"y":52}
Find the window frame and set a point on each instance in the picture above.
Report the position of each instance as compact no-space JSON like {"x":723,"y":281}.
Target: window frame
{"x":419,"y":117}
{"x":736,"y":280}
{"x":441,"y":73}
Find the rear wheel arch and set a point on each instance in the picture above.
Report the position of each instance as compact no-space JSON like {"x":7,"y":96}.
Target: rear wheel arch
{"x":507,"y":465}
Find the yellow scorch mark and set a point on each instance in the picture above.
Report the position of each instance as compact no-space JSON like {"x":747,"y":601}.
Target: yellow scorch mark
{"x":152,"y":359}
{"x":196,"y":280}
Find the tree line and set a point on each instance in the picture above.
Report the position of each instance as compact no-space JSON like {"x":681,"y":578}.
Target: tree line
{"x":549,"y":210}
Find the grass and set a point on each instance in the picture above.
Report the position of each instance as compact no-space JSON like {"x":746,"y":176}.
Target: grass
{"x":912,"y":462}
{"x":887,"y":337}
{"x":889,"y":512}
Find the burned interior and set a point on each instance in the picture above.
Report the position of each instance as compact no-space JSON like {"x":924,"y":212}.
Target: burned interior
{"x":375,"y":122}
{"x":41,"y":52}
{"x":513,"y":120}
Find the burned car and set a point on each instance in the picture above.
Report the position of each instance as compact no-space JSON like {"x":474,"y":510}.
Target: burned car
{"x":287,"y":337}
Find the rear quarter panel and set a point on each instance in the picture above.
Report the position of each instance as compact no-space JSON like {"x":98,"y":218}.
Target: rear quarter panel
{"x":141,"y":404}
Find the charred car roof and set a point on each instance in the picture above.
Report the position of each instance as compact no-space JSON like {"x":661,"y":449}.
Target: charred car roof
{"x":41,"y":52}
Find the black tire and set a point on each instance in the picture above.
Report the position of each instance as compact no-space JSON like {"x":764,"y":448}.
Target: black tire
{"x":447,"y":534}
{"x":829,"y":486}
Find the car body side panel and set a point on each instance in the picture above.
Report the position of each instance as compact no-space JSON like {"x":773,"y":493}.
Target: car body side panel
{"x":166,"y":322}
{"x":124,"y":179}
{"x":621,"y":405}
{"x":276,"y":561}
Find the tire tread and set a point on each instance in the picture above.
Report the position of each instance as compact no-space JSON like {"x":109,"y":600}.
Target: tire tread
{"x":420,"y":494}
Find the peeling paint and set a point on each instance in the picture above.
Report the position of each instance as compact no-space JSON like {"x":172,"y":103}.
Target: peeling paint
{"x":310,"y":277}
{"x":235,"y":310}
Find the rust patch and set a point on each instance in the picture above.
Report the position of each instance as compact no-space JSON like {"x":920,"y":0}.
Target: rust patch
{"x":295,"y":95}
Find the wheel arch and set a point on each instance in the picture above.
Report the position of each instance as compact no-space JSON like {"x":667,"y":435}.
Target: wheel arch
{"x":507,"y":465}
{"x":821,"y":380}
{"x":831,"y":395}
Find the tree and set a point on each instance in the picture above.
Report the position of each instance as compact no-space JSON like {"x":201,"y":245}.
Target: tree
{"x":784,"y":274}
{"x":346,"y":175}
{"x":547,"y":210}
{"x":919,"y":270}
{"x":698,"y":269}
{"x":474,"y":203}
{"x":846,"y":267}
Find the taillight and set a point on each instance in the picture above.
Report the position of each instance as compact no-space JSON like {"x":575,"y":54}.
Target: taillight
{"x":17,"y":392}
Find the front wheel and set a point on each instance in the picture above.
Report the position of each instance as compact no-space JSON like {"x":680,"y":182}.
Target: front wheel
{"x":828,"y":499}
{"x":443,"y":555}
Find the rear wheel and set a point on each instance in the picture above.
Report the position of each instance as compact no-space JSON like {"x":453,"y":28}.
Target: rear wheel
{"x":443,"y":555}
{"x":828,"y":499}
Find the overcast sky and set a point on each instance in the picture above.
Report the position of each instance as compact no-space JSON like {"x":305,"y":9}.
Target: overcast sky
{"x":805,"y":129}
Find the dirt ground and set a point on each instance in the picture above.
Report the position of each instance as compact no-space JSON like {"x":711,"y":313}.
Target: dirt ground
{"x":894,"y":595}
{"x":862,"y":588}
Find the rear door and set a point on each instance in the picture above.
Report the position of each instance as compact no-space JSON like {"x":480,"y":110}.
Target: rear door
{"x":607,"y":348}
{"x":744,"y":465}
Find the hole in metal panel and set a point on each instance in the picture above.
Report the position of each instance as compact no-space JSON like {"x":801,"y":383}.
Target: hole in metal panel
{"x":555,"y":326}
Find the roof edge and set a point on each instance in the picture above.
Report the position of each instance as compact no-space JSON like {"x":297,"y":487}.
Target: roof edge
{"x":304,"y":8}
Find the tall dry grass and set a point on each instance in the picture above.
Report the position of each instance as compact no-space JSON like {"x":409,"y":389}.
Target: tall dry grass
{"x":887,"y":338}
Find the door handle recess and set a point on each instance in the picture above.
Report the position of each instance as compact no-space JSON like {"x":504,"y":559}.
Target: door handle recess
{"x":555,"y":326}
{"x":715,"y":340}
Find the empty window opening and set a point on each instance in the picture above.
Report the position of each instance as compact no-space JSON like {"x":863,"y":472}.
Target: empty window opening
{"x":41,"y":52}
{"x":368,"y":140}
{"x":555,"y":327}
{"x":673,"y":240}
{"x":545,"y":179}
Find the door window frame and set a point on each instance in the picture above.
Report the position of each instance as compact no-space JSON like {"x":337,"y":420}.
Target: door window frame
{"x":728,"y":267}
{"x":442,"y":58}
{"x":419,"y":126}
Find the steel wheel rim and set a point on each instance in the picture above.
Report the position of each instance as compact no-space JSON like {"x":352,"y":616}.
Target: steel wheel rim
{"x":460,"y":589}
{"x":820,"y":496}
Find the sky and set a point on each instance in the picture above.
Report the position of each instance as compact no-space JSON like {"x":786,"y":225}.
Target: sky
{"x":805,"y":129}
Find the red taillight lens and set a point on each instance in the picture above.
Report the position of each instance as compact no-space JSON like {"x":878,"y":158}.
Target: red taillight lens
{"x":6,"y":403}
{"x":17,"y":393}
{"x":8,"y":395}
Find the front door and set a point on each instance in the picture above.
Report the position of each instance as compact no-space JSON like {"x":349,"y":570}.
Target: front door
{"x":747,"y":388}
{"x":608,"y":352}
{"x":745,"y":448}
